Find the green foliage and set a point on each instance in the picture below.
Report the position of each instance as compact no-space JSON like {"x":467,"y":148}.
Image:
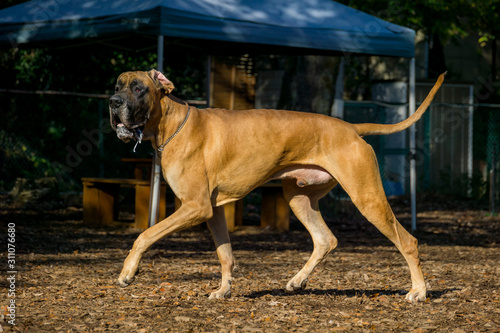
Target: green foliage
{"x":486,"y":20}
{"x":451,"y":20}
{"x":20,"y":160}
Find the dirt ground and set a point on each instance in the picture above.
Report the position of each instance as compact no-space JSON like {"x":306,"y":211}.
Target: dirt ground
{"x":67,"y":271}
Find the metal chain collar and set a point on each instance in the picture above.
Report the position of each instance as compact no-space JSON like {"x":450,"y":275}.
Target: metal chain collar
{"x":160,"y":148}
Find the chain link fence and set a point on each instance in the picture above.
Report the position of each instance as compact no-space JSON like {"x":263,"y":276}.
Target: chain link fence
{"x":458,"y":148}
{"x":493,"y":154}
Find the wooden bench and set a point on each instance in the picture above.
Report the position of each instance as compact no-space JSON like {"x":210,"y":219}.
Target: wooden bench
{"x":101,"y":199}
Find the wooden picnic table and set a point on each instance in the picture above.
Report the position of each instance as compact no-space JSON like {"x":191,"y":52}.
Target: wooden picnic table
{"x":100,"y":200}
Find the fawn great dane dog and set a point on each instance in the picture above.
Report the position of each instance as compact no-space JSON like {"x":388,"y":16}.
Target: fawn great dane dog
{"x":211,"y":157}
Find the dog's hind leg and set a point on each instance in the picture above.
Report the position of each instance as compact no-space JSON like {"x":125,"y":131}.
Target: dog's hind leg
{"x":304,"y":203}
{"x":360,"y":178}
{"x":218,"y":228}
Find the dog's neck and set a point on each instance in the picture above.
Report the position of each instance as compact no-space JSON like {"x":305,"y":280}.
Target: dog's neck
{"x":166,"y":118}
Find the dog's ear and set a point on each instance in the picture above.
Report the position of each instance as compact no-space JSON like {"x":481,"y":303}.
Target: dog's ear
{"x":161,"y":82}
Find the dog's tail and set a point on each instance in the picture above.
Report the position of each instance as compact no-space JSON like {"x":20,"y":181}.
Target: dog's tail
{"x":383,"y":129}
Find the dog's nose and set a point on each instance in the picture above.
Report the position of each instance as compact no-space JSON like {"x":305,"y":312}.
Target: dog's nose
{"x":115,"y":101}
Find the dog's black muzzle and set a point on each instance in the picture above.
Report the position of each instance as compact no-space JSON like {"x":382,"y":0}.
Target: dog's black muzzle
{"x":121,"y":121}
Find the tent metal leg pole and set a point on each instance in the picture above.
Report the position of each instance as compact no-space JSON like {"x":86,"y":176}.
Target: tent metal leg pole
{"x":155,"y":191}
{"x":413,"y":151}
{"x":156,"y":167}
{"x":471,"y":139}
{"x":338,"y":102}
{"x":208,"y":82}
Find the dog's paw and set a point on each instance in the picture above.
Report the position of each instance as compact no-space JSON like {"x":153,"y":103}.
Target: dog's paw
{"x":293,"y":286}
{"x":126,"y":277}
{"x":124,"y":281}
{"x":220,"y":294}
{"x":415,"y":295}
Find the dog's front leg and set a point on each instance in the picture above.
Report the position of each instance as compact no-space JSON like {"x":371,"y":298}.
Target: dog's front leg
{"x":218,"y":228}
{"x":188,"y":215}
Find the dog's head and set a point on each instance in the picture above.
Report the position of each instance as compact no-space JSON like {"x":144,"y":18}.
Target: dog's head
{"x":136,"y":97}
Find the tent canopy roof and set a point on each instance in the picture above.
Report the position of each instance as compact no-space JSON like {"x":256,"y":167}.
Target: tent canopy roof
{"x":314,"y":26}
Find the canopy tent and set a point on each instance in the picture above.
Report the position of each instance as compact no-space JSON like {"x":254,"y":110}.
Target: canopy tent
{"x":314,"y":25}
{"x":272,"y":26}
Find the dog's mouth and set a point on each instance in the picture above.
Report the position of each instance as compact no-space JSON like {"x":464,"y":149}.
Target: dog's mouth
{"x":127,"y":132}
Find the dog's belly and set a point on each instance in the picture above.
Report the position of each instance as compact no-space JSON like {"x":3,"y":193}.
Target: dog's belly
{"x":306,"y":175}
